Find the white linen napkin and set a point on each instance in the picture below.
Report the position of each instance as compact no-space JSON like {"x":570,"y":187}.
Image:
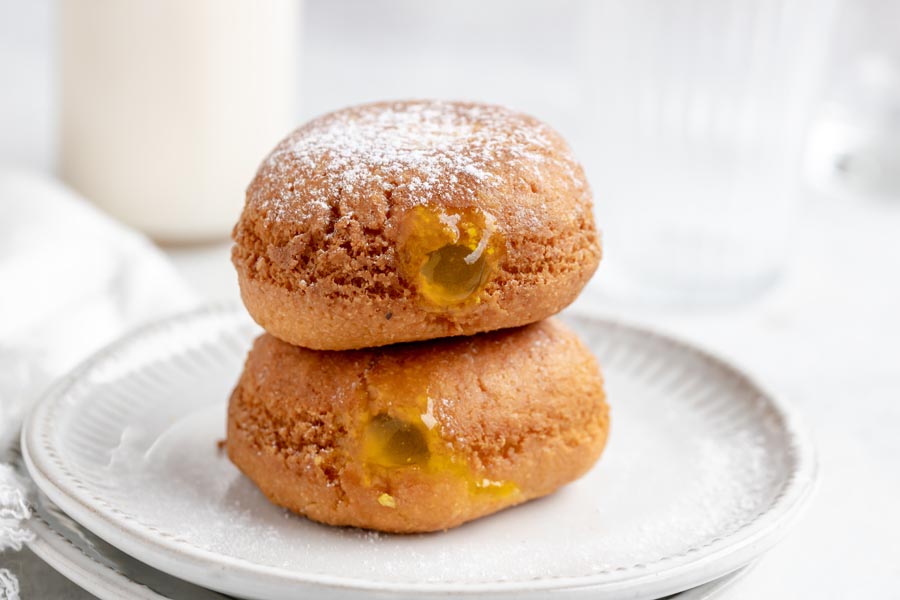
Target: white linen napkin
{"x":71,"y":281}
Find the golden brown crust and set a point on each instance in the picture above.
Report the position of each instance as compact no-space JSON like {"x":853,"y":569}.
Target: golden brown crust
{"x":317,"y":246}
{"x":508,"y":416}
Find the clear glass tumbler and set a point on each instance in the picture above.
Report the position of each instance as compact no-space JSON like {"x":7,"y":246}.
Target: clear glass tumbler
{"x":698,"y":110}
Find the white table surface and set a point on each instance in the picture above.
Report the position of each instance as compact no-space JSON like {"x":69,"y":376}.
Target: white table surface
{"x":828,"y":336}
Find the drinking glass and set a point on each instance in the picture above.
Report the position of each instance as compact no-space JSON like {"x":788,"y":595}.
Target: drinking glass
{"x":698,"y":112}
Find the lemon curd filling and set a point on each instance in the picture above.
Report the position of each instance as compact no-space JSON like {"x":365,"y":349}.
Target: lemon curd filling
{"x":391,"y":442}
{"x":410,"y":438}
{"x":448,"y":278}
{"x":448,"y":255}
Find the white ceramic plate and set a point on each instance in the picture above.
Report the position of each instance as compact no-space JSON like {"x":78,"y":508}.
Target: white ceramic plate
{"x":105,"y":571}
{"x":110,"y":574}
{"x":703,"y":472}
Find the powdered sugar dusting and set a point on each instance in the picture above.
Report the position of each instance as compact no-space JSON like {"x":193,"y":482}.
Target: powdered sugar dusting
{"x":428,"y":149}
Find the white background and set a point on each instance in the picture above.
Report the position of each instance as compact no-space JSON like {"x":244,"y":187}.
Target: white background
{"x":828,"y":335}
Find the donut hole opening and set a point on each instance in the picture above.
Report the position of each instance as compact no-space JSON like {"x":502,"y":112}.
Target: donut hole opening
{"x":449,"y":255}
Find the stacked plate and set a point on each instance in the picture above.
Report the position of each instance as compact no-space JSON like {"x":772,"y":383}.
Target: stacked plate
{"x":704,"y":472}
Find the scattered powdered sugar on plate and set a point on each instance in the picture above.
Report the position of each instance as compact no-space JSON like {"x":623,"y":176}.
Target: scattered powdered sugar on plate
{"x":431,"y":149}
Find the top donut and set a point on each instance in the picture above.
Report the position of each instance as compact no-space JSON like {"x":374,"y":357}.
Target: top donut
{"x":404,"y":221}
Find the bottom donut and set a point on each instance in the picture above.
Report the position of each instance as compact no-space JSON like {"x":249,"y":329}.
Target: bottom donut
{"x":418,"y":437}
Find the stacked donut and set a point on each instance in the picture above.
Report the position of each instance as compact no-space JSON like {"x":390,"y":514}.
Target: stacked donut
{"x":404,"y":259}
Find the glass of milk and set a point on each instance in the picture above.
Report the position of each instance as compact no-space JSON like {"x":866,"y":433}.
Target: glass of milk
{"x":169,"y":106}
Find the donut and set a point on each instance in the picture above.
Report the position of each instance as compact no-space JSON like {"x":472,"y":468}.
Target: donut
{"x":422,"y":436}
{"x":405,"y":221}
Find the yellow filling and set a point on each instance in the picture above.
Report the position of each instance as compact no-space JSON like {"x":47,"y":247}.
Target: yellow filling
{"x":391,"y":442}
{"x":449,"y":256}
{"x":387,"y":501}
{"x":410,"y":438}
{"x":446,"y":277}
